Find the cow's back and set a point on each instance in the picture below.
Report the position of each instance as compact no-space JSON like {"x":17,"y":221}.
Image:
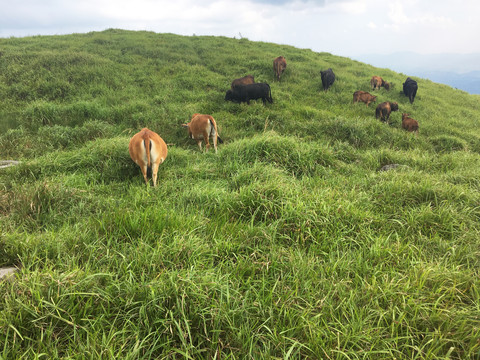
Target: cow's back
{"x":248,"y":79}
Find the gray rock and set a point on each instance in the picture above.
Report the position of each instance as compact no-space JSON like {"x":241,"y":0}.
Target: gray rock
{"x":8,"y":163}
{"x":393,"y":166}
{"x":7,"y":273}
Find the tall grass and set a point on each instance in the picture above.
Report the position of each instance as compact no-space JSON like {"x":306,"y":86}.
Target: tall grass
{"x":288,"y":243}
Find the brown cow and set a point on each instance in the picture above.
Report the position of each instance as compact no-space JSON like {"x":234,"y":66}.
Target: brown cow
{"x":243,"y":81}
{"x":364,"y":96}
{"x":201,"y":127}
{"x":279,"y":66}
{"x":409,"y":124}
{"x":384,"y":109}
{"x":376,"y":82}
{"x":148,"y":149}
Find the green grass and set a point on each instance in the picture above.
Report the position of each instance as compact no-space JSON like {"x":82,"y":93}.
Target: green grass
{"x":289,"y":243}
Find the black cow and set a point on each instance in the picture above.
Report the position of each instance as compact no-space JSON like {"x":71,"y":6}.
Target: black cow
{"x":328,"y":78}
{"x":245,"y":93}
{"x":410,"y":88}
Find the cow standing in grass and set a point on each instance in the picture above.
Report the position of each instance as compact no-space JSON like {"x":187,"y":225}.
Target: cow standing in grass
{"x":279,"y":66}
{"x":410,"y":88}
{"x":384,"y":110}
{"x":364,"y":96}
{"x":376,"y":82}
{"x":245,"y":93}
{"x":409,"y":124}
{"x":148,"y":150}
{"x":249,"y":79}
{"x":328,"y":78}
{"x":202,"y":127}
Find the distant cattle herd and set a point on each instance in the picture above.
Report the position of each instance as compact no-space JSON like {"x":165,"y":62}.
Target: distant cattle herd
{"x":148,"y":150}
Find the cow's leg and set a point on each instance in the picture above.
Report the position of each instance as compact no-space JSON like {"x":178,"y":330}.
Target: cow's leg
{"x":215,"y":142}
{"x":199,"y":143}
{"x":205,"y":137}
{"x":154,"y":174}
{"x":144,"y":172}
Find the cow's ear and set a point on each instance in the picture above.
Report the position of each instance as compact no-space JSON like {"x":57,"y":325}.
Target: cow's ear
{"x":185,"y":125}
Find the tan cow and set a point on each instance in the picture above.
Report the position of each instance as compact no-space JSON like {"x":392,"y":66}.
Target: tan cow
{"x":279,"y":66}
{"x":364,"y":96}
{"x":201,"y":127}
{"x":376,"y":82}
{"x":409,"y":124}
{"x":148,"y":149}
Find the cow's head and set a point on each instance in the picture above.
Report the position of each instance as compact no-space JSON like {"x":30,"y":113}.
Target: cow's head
{"x":229,"y":95}
{"x":188,"y":128}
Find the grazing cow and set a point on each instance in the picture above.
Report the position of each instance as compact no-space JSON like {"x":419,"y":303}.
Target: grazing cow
{"x":384,"y":109}
{"x":201,"y":127}
{"x":148,"y":149}
{"x":245,"y":93}
{"x":376,"y":82}
{"x":243,"y":81}
{"x":279,"y":66}
{"x":364,"y":96}
{"x":410,"y":88}
{"x":409,"y":124}
{"x":328,"y":78}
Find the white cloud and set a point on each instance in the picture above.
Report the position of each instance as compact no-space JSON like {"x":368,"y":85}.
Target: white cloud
{"x":343,"y":27}
{"x":354,"y":7}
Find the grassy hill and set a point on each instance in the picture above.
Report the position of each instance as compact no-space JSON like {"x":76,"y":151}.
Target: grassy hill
{"x":289,"y":243}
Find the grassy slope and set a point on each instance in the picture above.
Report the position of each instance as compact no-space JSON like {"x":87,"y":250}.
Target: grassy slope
{"x":288,"y":243}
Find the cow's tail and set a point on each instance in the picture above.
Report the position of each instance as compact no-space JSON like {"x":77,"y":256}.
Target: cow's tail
{"x":412,"y":95}
{"x":213,"y":128}
{"x":214,"y":131}
{"x":270,"y":100}
{"x":147,"y":142}
{"x":377,"y":112}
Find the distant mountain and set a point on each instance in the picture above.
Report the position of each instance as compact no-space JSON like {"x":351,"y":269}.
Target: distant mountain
{"x":461,"y":71}
{"x":469,"y":82}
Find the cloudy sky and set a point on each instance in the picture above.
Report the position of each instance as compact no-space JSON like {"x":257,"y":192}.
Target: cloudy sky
{"x":341,"y":27}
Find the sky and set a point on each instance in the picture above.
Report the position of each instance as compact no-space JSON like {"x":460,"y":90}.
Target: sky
{"x":341,"y":27}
